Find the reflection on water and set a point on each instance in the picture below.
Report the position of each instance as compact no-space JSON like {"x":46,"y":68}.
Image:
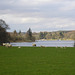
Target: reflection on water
{"x":52,"y":43}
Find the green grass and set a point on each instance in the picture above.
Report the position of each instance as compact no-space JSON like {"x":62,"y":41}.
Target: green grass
{"x":37,"y":61}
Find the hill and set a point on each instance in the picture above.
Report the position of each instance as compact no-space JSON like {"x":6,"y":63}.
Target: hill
{"x":63,"y":35}
{"x":56,"y":35}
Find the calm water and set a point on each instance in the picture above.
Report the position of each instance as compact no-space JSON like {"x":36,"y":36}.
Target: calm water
{"x":52,"y":43}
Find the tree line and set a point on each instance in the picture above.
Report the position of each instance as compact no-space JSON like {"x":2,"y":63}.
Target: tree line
{"x":22,"y":37}
{"x":14,"y":36}
{"x":63,"y":35}
{"x":29,"y":36}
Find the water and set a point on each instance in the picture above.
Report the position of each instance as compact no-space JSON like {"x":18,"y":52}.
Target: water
{"x":51,"y":43}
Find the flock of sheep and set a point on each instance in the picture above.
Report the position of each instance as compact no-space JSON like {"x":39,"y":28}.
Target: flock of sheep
{"x":7,"y":45}
{"x":34,"y":45}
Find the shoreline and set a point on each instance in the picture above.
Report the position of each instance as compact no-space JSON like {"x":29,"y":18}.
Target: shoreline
{"x":45,"y":40}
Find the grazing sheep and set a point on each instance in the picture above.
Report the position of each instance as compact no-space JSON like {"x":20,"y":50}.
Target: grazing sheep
{"x":19,"y":47}
{"x":4,"y":44}
{"x":61,"y":47}
{"x":64,"y":47}
{"x":34,"y":45}
{"x":56,"y":46}
{"x":8,"y":45}
{"x":42,"y":46}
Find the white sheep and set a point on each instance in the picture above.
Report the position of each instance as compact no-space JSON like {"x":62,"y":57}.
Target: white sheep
{"x":61,"y":47}
{"x":34,"y":45}
{"x":56,"y":46}
{"x":42,"y":46}
{"x":4,"y":44}
{"x":19,"y":47}
{"x":8,"y":45}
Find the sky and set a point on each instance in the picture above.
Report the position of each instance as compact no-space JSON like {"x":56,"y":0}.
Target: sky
{"x":39,"y":15}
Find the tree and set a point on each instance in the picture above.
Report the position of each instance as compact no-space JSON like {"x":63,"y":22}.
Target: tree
{"x":29,"y":36}
{"x":4,"y":36}
{"x":14,"y":36}
{"x":20,"y":32}
{"x":61,"y":35}
{"x":29,"y":32}
{"x":41,"y":36}
{"x":15,"y":32}
{"x":48,"y":36}
{"x":3,"y":24}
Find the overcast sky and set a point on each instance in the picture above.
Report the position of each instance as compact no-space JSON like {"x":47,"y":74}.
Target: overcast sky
{"x":39,"y":15}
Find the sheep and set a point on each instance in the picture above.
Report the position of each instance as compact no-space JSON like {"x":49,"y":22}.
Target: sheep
{"x":4,"y":44}
{"x":7,"y":45}
{"x":34,"y":45}
{"x":61,"y":47}
{"x":19,"y":47}
{"x":56,"y":46}
{"x":64,"y":47}
{"x":42,"y":46}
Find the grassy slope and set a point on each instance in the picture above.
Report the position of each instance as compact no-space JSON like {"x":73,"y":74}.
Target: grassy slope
{"x":37,"y":61}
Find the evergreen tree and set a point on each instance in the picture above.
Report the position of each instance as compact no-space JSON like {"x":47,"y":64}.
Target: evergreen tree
{"x":20,"y":32}
{"x":61,"y":34}
{"x":41,"y":36}
{"x":15,"y":32}
{"x":29,"y":35}
{"x":29,"y":32}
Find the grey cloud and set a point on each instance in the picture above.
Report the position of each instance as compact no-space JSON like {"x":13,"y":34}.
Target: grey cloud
{"x":31,"y":9}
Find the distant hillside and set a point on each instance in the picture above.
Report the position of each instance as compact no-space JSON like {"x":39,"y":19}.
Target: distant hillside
{"x":56,"y":35}
{"x":63,"y":35}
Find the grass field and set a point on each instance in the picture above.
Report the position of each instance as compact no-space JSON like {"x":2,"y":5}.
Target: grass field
{"x":37,"y":61}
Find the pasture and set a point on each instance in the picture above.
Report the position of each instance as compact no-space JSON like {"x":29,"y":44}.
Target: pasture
{"x":37,"y":61}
